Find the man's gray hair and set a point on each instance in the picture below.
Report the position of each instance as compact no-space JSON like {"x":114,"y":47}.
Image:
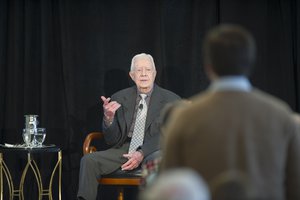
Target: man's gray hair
{"x":142,"y":55}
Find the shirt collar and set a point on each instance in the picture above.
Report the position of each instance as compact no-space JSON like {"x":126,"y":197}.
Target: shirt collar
{"x":231,"y":83}
{"x":148,"y":93}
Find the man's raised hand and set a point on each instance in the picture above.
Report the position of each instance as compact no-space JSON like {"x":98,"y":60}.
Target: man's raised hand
{"x":109,"y":108}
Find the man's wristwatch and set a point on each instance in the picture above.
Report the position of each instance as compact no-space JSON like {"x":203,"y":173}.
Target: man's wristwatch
{"x":107,"y":122}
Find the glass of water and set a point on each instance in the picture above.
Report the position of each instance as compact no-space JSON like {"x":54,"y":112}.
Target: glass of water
{"x":39,"y":137}
{"x":28,"y":136}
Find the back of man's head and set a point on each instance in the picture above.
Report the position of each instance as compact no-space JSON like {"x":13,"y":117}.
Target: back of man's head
{"x":229,"y":50}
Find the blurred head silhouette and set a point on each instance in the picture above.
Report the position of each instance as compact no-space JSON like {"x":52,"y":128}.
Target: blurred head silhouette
{"x":228,"y":50}
{"x":177,"y":184}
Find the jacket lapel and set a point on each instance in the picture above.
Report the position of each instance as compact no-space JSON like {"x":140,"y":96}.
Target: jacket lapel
{"x":156,"y":102}
{"x":129,"y":106}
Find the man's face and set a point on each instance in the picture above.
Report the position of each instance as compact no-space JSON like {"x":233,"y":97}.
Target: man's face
{"x":143,"y":74}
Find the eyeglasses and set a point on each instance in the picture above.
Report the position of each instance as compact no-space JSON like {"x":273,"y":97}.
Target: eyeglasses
{"x":145,"y":70}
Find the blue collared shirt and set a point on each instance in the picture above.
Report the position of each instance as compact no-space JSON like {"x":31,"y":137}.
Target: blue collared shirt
{"x":231,"y":83}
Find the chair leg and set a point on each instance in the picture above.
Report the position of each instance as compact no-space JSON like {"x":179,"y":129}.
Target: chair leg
{"x":120,"y":193}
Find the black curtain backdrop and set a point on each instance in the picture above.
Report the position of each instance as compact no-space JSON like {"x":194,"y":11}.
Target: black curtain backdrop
{"x":57,"y":58}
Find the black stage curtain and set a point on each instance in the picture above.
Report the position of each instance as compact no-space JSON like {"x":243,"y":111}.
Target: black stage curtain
{"x":57,"y":58}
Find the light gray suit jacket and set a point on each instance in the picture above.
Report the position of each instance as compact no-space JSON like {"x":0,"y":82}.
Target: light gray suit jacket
{"x":116,"y":134}
{"x":249,"y":132}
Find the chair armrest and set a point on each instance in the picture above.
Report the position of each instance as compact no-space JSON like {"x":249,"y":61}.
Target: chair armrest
{"x":88,"y":139}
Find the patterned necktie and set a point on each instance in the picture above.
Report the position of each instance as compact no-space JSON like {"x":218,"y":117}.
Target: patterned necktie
{"x":139,"y":126}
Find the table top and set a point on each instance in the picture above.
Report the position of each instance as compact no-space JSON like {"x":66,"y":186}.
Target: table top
{"x":21,"y":148}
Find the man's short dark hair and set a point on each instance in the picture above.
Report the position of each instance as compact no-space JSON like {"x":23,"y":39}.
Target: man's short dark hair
{"x":230,"y":50}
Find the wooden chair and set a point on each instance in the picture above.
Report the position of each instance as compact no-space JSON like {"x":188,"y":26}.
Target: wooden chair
{"x":119,"y":178}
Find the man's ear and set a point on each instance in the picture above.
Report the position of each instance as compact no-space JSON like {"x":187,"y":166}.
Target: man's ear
{"x":154,"y":74}
{"x":131,"y":75}
{"x":210,"y":71}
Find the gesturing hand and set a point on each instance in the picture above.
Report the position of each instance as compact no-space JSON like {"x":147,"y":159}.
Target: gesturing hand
{"x":134,"y":160}
{"x":109,"y":108}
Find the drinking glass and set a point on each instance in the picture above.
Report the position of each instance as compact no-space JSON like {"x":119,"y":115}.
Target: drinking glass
{"x":28,"y":136}
{"x":39,"y":137}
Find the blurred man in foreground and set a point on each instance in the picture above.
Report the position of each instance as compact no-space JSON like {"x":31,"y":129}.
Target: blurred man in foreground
{"x":235,"y":127}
